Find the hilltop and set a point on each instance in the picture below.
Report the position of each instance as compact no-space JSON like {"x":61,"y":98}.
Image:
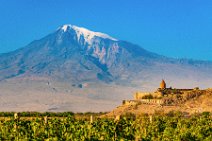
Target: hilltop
{"x":188,"y":101}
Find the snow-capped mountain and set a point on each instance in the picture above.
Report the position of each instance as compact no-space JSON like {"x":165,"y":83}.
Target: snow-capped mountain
{"x":90,"y":41}
{"x":75,"y":69}
{"x":76,"y":54}
{"x":89,"y":36}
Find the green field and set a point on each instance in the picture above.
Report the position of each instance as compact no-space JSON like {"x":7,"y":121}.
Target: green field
{"x":68,"y":126}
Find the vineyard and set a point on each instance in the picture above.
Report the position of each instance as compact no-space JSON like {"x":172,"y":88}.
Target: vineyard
{"x":128,"y":127}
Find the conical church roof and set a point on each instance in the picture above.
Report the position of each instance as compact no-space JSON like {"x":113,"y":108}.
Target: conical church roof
{"x":163,"y":84}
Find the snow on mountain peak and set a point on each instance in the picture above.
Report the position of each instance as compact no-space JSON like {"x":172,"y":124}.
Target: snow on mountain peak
{"x":65,"y":27}
{"x":87,"y":34}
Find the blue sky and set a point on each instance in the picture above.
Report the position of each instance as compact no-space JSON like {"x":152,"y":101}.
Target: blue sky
{"x":174,"y":28}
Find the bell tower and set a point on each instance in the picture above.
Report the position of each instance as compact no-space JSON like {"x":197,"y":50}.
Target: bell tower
{"x":163,"y":85}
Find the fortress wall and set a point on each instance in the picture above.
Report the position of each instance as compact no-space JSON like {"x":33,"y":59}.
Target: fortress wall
{"x":139,"y":95}
{"x":143,"y":101}
{"x":151,"y":101}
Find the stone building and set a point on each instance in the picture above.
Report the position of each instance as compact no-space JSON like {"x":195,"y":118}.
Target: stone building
{"x":157,"y":94}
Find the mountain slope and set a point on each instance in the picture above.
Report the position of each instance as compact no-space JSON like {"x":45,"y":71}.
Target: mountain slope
{"x":76,"y":54}
{"x":71,"y":51}
{"x":74,"y":61}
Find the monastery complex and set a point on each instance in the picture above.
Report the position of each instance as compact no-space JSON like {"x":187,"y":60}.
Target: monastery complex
{"x":158,"y":96}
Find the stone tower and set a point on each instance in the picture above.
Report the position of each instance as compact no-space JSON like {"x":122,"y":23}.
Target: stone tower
{"x":163,"y":85}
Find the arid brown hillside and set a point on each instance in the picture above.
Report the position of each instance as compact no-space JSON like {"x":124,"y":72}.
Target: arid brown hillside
{"x":197,"y":102}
